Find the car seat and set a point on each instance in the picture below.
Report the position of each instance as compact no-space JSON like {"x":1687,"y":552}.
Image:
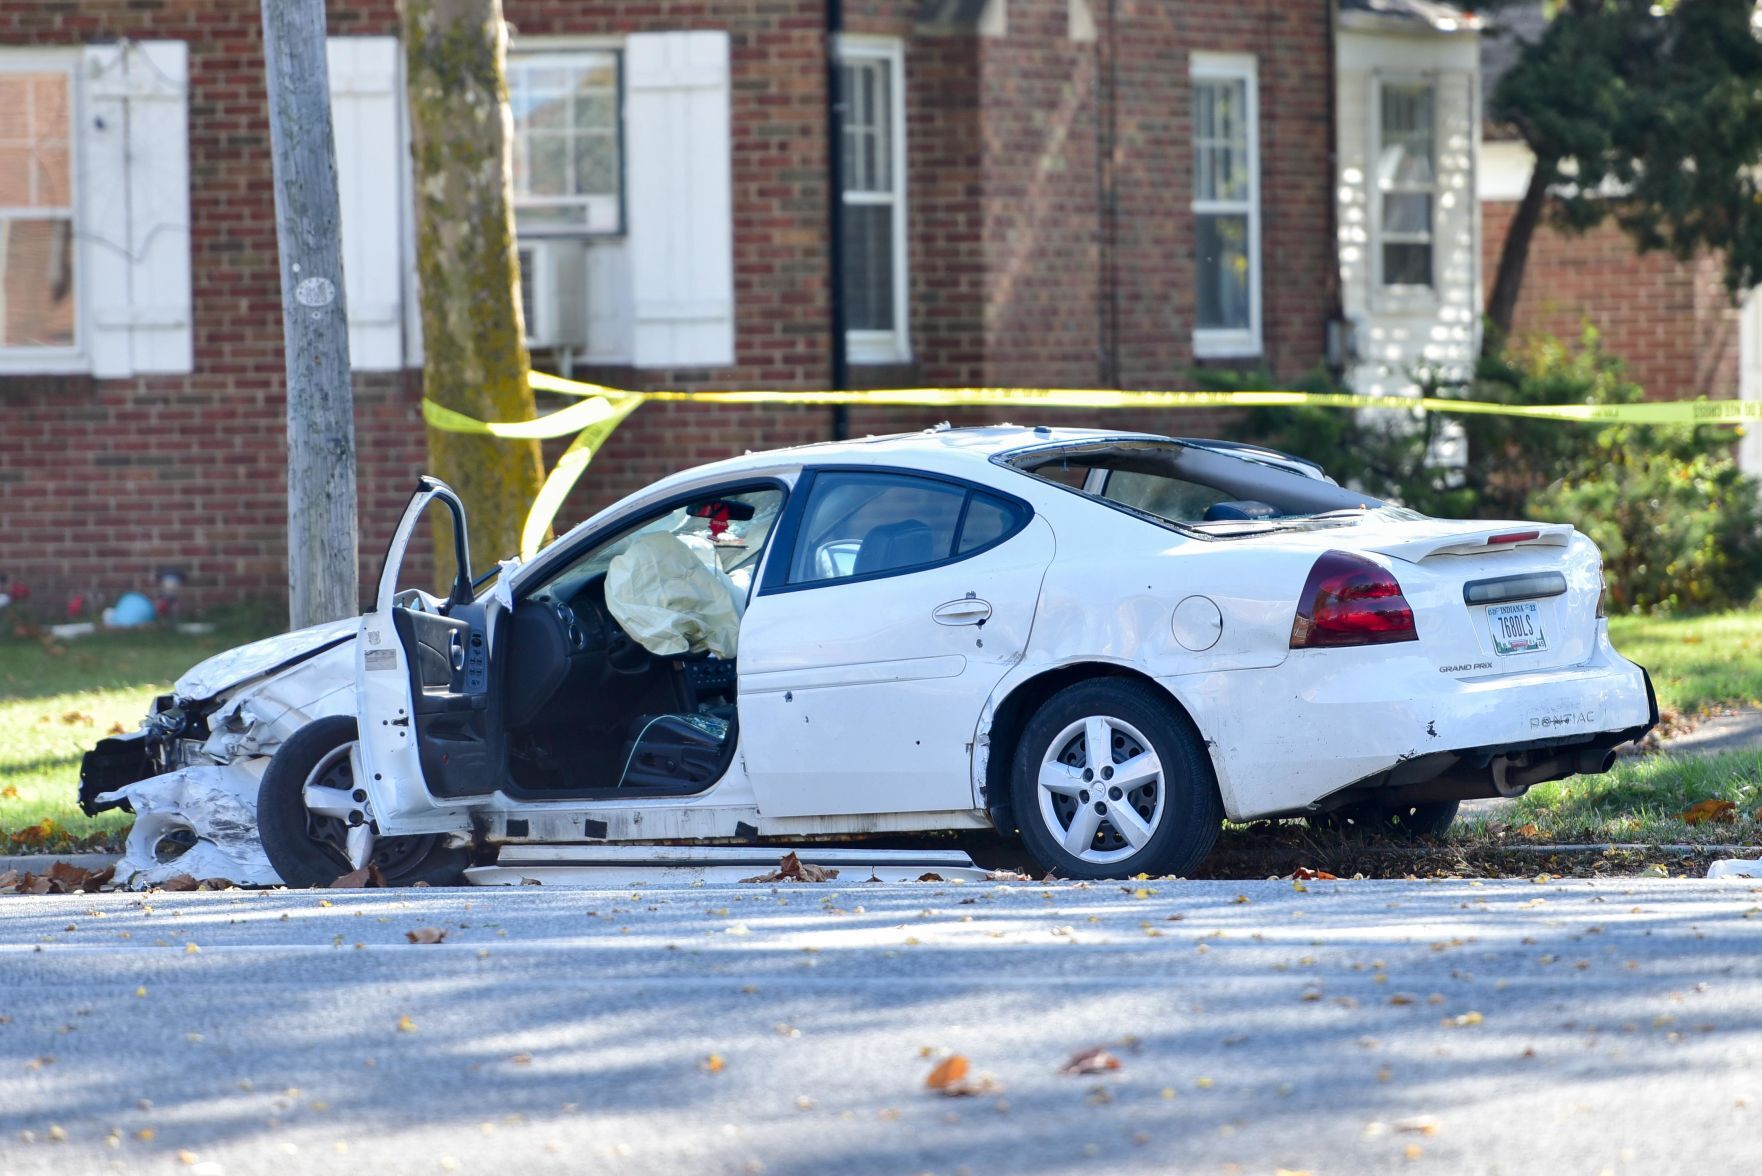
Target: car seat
{"x":896,"y":545}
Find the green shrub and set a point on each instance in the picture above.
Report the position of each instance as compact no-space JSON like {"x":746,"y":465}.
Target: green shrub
{"x":1679,"y":525}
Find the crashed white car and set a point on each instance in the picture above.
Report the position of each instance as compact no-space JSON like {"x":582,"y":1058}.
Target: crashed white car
{"x":1105,"y":642}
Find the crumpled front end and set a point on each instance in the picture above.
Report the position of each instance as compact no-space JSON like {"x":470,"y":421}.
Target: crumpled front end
{"x":191,"y":773}
{"x":200,"y":821}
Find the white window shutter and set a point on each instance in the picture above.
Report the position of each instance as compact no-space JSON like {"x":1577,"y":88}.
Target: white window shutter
{"x":678,"y":199}
{"x":371,"y":164}
{"x":135,"y":211}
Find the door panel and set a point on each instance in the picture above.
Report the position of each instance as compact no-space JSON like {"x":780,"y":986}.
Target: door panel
{"x":422,"y":684}
{"x":863,"y":695}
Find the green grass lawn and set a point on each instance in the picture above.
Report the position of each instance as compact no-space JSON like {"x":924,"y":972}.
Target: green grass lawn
{"x":1641,"y":800}
{"x":57,"y":700}
{"x":1696,"y":662}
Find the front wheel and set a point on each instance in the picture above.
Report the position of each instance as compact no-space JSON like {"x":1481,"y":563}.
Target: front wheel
{"x":1108,"y":782}
{"x":315,"y":824}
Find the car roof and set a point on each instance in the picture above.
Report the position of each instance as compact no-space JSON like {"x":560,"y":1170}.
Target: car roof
{"x":936,"y":448}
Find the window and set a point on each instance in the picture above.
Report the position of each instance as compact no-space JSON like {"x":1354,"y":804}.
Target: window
{"x":735,"y":525}
{"x":568,"y":159}
{"x":863,"y":524}
{"x":1226,"y":206}
{"x":38,"y":295}
{"x":1407,"y":182}
{"x":874,"y":259}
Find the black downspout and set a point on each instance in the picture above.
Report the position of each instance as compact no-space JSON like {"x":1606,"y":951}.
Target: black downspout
{"x":835,"y":212}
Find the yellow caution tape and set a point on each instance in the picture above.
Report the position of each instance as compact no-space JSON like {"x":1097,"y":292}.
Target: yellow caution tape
{"x":603,"y":408}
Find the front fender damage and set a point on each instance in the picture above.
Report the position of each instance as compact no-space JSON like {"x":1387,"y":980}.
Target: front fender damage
{"x":199,"y":817}
{"x":200,"y":821}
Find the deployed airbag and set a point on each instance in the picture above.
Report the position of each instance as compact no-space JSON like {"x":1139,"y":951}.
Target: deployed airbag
{"x":669,"y":600}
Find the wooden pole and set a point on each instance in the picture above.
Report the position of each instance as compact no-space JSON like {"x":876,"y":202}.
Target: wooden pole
{"x":323,"y":576}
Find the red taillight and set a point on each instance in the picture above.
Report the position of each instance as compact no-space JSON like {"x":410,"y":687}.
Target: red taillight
{"x":1512,"y":537}
{"x":1348,"y":600}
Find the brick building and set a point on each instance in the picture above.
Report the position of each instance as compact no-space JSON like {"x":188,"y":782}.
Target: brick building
{"x":1044,"y":192}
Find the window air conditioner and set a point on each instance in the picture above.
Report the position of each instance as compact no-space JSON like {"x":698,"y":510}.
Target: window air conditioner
{"x":553,"y":293}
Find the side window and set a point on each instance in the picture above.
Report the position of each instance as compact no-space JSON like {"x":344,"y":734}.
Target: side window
{"x":988,"y":519}
{"x":862,"y":524}
{"x":730,"y":528}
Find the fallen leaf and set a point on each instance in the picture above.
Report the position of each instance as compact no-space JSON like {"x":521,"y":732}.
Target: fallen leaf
{"x":406,"y":1025}
{"x":368,"y":875}
{"x":180,"y":882}
{"x":72,"y":718}
{"x":714,"y":1064}
{"x":793,"y":869}
{"x":426,"y":935}
{"x":10,"y":792}
{"x":1712,"y":809}
{"x":1007,"y":876}
{"x":1529,"y":830}
{"x":1094,"y":1060}
{"x":1419,"y":1125}
{"x":1305,"y":874}
{"x":1464,"y":1020}
{"x":117,"y":728}
{"x":930,"y":878}
{"x":947,"y":1072}
{"x":521,"y":1059}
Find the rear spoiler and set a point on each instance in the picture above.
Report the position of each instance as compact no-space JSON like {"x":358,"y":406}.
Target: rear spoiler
{"x":1481,"y":539}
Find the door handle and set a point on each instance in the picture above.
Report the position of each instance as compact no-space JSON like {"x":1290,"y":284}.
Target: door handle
{"x":970,"y":611}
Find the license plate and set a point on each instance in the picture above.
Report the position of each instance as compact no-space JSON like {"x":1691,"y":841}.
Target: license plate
{"x":1516,"y":628}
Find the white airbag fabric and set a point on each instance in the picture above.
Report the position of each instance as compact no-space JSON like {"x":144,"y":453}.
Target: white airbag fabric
{"x":667,"y":598}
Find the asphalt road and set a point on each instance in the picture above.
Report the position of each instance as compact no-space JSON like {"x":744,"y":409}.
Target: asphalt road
{"x":1355,"y":1027}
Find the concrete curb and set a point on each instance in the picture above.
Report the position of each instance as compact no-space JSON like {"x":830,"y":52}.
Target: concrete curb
{"x":37,"y":863}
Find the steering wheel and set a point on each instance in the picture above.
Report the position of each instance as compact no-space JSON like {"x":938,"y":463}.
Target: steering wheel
{"x":624,"y":653}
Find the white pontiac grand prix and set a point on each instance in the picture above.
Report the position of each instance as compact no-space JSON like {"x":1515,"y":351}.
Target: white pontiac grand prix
{"x":1106,"y":642}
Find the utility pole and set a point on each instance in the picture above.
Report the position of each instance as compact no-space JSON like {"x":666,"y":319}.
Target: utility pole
{"x":323,"y":572}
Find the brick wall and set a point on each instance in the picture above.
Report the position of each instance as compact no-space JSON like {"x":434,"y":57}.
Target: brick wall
{"x":1668,"y":320}
{"x":101,"y":482}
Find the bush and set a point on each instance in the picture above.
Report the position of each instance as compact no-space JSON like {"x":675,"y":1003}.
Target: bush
{"x":1680,"y":527}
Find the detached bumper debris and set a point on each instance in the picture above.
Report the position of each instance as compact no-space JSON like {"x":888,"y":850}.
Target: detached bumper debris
{"x":1735,"y":868}
{"x":199,"y":822}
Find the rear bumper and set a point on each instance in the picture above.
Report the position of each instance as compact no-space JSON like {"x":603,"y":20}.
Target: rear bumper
{"x":1285,"y":739}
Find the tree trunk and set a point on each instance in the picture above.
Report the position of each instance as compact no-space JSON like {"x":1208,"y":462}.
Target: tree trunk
{"x":473,"y":338}
{"x":1514,"y":257}
{"x":323,"y":572}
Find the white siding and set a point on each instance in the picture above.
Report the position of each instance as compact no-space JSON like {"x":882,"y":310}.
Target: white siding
{"x":678,"y":198}
{"x":1750,"y":378}
{"x":1401,"y":329}
{"x":135,"y":216}
{"x":373,"y":168}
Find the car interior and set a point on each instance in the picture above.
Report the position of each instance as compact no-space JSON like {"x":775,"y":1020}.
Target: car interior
{"x":1198,"y":489}
{"x":587,"y":707}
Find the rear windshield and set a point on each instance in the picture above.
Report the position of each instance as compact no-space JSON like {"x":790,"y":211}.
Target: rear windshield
{"x":1198,"y":489}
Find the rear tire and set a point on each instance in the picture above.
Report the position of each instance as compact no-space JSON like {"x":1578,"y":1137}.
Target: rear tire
{"x":1399,"y":822}
{"x":304,"y":847}
{"x":1109,"y":781}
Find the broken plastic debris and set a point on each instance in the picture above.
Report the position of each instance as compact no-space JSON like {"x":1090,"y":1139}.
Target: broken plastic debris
{"x":197,"y":821}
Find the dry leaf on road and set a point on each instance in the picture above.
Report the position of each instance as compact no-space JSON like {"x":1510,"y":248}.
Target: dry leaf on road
{"x":1094,"y":1060}
{"x":426,"y":935}
{"x":793,"y":869}
{"x":367,"y":875}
